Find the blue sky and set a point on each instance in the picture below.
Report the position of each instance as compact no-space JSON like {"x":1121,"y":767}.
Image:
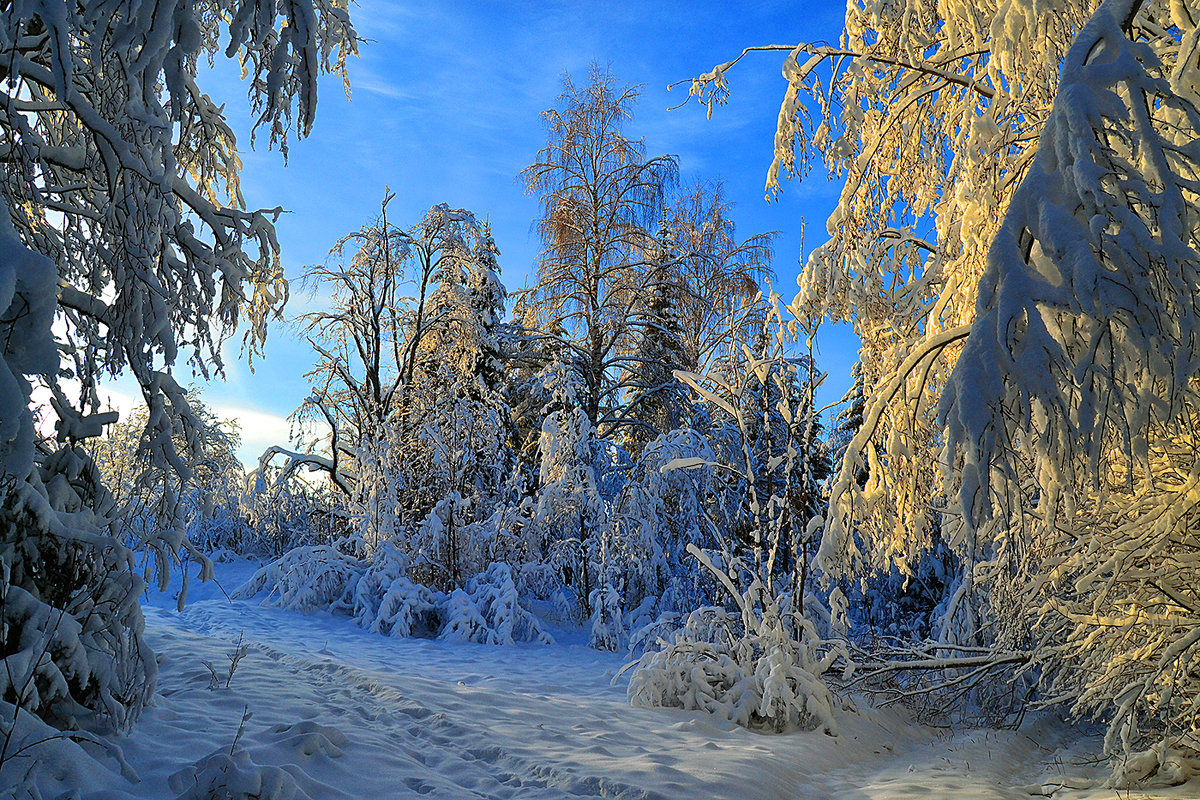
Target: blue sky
{"x":445,"y":107}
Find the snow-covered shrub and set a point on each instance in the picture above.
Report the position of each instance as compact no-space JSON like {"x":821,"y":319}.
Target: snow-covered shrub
{"x":37,"y":761}
{"x":289,"y":514}
{"x":230,"y":774}
{"x":364,"y":594}
{"x":645,"y":614}
{"x":408,"y":609}
{"x":385,"y":600}
{"x":380,"y":595}
{"x":608,"y":628}
{"x":306,"y":579}
{"x":654,"y":633}
{"x":489,"y":611}
{"x":72,"y":650}
{"x":226,"y":529}
{"x":1170,"y":762}
{"x":537,"y":580}
{"x":755,"y":666}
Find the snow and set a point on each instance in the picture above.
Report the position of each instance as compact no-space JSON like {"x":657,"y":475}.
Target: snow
{"x":329,"y":710}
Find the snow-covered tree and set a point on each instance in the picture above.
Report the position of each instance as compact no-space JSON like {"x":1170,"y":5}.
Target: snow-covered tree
{"x":466,"y":313}
{"x":571,"y":516}
{"x":1070,"y":413}
{"x":765,"y":436}
{"x":371,"y":341}
{"x":657,"y":402}
{"x":600,"y":197}
{"x":660,"y":511}
{"x":698,"y":280}
{"x":125,"y":229}
{"x":457,"y":420}
{"x":1019,"y":228}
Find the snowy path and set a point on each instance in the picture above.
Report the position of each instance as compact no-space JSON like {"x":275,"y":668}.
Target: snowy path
{"x":337,"y":712}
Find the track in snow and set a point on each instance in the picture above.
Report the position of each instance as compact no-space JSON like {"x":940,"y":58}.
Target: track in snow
{"x":337,"y":712}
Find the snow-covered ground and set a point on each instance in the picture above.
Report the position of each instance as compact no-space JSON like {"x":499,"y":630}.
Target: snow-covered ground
{"x":321,"y":708}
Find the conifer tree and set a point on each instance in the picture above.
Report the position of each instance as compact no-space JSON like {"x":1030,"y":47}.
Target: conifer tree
{"x":657,"y":401}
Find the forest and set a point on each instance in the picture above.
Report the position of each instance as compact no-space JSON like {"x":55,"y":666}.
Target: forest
{"x":583,"y":537}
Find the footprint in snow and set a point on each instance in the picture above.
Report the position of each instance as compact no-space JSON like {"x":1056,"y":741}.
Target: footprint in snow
{"x":308,"y":738}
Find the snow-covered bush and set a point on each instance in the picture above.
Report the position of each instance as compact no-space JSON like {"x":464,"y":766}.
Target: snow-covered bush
{"x":231,"y":774}
{"x":365,"y":593}
{"x":1169,"y":762}
{"x":289,"y":514}
{"x":489,"y":611}
{"x":608,"y":628}
{"x":380,"y":595}
{"x":407,"y":609}
{"x":755,"y":666}
{"x":226,"y":530}
{"x":37,"y":761}
{"x":385,"y":600}
{"x":72,"y":650}
{"x":306,"y":579}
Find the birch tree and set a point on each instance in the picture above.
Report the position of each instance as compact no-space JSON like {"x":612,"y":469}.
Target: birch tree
{"x":716,"y":273}
{"x":600,"y":195}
